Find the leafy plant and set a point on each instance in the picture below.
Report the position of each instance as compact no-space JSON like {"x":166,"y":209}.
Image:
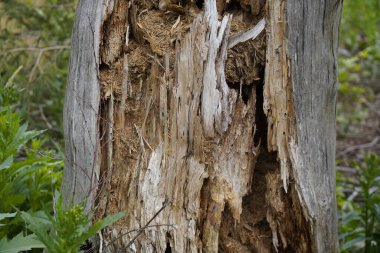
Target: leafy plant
{"x":70,"y":227}
{"x":19,"y":243}
{"x":360,"y":211}
{"x":28,"y":173}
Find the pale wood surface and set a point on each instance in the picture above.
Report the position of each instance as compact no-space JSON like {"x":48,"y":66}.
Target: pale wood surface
{"x":82,"y":106}
{"x":313,"y":51}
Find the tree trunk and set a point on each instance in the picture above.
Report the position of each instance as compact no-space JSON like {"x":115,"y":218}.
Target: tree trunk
{"x":195,"y":115}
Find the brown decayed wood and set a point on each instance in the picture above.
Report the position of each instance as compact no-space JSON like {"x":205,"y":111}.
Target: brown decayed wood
{"x":187,"y":122}
{"x":165,"y":150}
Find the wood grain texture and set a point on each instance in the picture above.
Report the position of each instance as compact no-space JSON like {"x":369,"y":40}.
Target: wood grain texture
{"x":187,"y":138}
{"x":300,"y":94}
{"x":81,"y":107}
{"x":312,"y":49}
{"x":278,"y":103}
{"x":174,"y":131}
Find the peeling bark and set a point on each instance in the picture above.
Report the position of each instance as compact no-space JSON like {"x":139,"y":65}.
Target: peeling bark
{"x":203,"y":113}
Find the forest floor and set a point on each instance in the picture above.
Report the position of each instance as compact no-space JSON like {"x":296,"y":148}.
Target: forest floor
{"x":365,"y":137}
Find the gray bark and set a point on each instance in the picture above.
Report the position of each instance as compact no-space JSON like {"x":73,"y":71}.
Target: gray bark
{"x":313,"y":29}
{"x":81,"y":108}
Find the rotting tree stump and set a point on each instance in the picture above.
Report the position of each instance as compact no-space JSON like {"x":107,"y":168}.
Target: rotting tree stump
{"x":195,"y":106}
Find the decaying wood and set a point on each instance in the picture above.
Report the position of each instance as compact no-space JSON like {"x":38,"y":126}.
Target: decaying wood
{"x":289,"y":229}
{"x":182,"y":144}
{"x":300,"y":101}
{"x":246,"y":35}
{"x":211,"y":112}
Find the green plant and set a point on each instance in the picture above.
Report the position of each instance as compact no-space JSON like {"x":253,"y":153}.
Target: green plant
{"x":360,"y":211}
{"x":29,"y":175}
{"x":28,"y":172}
{"x":70,"y":228}
{"x":19,"y":243}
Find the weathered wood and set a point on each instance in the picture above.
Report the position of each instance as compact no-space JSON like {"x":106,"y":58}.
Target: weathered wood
{"x":81,"y":109}
{"x":312,"y":50}
{"x":175,"y":129}
{"x":251,"y":34}
{"x":300,"y":98}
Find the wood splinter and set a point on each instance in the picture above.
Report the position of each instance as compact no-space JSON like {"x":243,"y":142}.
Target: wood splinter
{"x":246,"y":35}
{"x":171,"y":5}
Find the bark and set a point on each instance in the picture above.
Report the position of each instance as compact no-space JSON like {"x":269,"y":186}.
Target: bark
{"x":81,"y":108}
{"x":197,"y":111}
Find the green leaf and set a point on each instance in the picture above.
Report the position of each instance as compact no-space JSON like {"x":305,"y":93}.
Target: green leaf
{"x":7,"y":163}
{"x":357,"y":240}
{"x":7,"y":215}
{"x":349,"y":217}
{"x":20,"y":243}
{"x":100,"y":225}
{"x":22,"y":136}
{"x":39,"y":229}
{"x":377,"y":211}
{"x":356,"y":232}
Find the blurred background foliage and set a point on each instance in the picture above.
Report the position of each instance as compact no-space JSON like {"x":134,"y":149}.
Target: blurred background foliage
{"x":359,"y":65}
{"x":34,"y":57}
{"x":358,"y":127}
